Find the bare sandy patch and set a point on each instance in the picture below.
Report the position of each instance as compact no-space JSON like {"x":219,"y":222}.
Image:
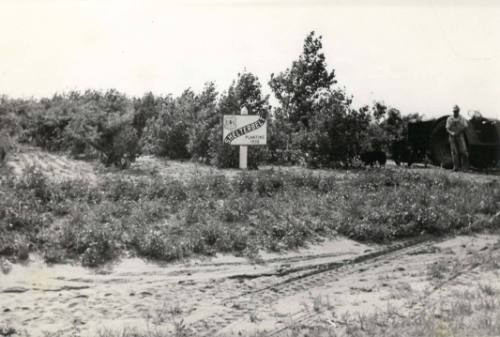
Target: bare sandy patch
{"x":226,"y":295}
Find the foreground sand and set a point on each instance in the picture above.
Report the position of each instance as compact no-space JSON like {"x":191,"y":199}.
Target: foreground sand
{"x":228,"y":295}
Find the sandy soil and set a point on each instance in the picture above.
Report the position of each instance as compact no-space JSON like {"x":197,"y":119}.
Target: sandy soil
{"x":59,"y":167}
{"x":55,"y":167}
{"x":227,"y":295}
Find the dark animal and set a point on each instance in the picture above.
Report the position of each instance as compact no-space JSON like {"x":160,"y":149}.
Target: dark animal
{"x":402,"y":152}
{"x":372,"y":157}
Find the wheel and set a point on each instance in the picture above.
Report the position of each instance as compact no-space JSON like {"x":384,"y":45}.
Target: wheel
{"x":441,"y":154}
{"x":440,"y":146}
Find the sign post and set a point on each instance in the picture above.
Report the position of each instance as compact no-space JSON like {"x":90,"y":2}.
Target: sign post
{"x":243,"y":148}
{"x":244,"y":130}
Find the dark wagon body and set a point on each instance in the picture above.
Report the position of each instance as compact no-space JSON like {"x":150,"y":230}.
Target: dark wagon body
{"x":429,"y":139}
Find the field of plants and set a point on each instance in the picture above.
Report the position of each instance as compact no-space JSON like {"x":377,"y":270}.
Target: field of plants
{"x":165,"y":218}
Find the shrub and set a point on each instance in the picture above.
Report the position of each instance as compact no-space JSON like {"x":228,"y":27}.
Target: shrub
{"x":245,"y":182}
{"x":7,"y":145}
{"x":268,"y":183}
{"x":86,"y":235}
{"x":104,"y":123}
{"x":23,"y":203}
{"x":34,"y":181}
{"x":46,"y":127}
{"x":218,"y":186}
{"x":15,"y":245}
{"x":161,"y":245}
{"x":395,"y":204}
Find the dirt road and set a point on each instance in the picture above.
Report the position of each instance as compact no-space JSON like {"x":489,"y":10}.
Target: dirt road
{"x":227,"y":295}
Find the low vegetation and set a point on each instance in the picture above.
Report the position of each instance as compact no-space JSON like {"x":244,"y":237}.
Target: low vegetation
{"x":167,"y":219}
{"x":466,"y":313}
{"x":467,"y":310}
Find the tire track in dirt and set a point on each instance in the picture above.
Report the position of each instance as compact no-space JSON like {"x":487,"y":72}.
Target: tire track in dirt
{"x":469,"y":266}
{"x":315,"y":275}
{"x":312,"y":270}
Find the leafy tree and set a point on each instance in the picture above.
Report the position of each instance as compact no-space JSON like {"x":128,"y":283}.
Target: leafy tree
{"x":182,"y":126}
{"x":106,"y":124}
{"x":336,"y":134}
{"x":9,"y":120}
{"x":144,"y":108}
{"x":387,"y":126}
{"x":379,"y":111}
{"x":153,"y":135}
{"x":9,"y":127}
{"x":396,"y":124}
{"x":174,"y":121}
{"x":46,"y":123}
{"x":298,"y":87}
{"x":321,"y":127}
{"x":280,"y":136}
{"x":204,"y":120}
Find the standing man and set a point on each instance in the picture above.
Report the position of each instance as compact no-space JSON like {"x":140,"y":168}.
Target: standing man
{"x":455,"y":125}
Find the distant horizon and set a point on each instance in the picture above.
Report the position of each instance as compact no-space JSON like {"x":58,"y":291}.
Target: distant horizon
{"x":419,"y":57}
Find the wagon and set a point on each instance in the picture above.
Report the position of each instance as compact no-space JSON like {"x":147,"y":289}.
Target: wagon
{"x":429,"y":139}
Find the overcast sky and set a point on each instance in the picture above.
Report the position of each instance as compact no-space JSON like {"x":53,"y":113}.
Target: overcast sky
{"x":421,"y":57}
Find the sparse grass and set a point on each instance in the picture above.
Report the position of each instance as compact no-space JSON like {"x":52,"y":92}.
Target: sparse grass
{"x":461,"y":314}
{"x":167,"y":219}
{"x":401,"y":290}
{"x":320,"y":303}
{"x":487,"y":289}
{"x":439,"y":270}
{"x":134,"y":332}
{"x":473,"y":311}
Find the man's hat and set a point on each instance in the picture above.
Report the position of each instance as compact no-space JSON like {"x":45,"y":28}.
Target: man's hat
{"x":456,"y":108}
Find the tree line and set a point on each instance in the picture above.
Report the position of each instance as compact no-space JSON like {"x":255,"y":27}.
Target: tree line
{"x":314,"y":123}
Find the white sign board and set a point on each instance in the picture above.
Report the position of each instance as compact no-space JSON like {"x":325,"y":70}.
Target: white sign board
{"x":244,"y":130}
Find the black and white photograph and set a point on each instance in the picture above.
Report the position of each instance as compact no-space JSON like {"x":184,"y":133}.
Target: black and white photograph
{"x":249,"y":168}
